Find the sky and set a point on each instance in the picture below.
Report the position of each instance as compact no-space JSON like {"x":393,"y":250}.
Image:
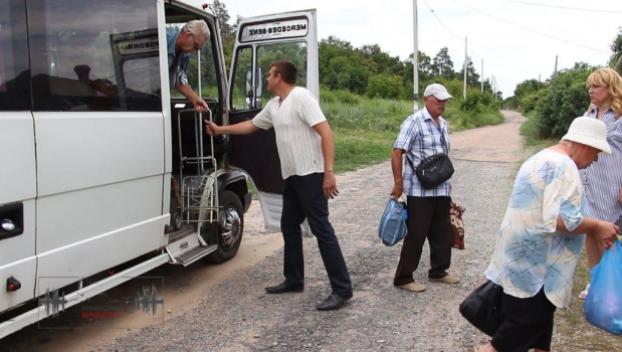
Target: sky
{"x":517,"y":39}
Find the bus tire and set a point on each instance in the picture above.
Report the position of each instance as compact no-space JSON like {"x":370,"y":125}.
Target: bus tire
{"x":230,"y":229}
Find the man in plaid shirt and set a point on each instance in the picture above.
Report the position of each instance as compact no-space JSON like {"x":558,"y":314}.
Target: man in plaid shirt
{"x":421,"y":135}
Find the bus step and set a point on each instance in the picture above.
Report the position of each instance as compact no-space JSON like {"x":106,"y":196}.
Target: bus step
{"x":195,"y":254}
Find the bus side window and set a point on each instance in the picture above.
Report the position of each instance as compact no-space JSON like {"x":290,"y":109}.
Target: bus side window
{"x":94,"y":56}
{"x":14,"y":70}
{"x":241,"y":82}
{"x":296,"y":52}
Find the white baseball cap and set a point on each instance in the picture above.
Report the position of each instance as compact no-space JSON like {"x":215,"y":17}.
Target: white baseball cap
{"x":438,"y":91}
{"x":589,"y":131}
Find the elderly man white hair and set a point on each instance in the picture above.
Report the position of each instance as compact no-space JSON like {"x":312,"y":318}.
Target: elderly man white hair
{"x":199,"y":30}
{"x":180,"y":43}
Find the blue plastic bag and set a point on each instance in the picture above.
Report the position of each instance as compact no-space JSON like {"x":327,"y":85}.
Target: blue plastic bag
{"x":392,"y":226}
{"x":603,"y":305}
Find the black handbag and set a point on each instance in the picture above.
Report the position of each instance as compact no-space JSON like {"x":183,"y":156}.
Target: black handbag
{"x":435,"y":169}
{"x":482,"y":308}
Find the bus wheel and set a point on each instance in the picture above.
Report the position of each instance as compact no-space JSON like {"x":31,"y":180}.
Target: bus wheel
{"x":229,"y":233}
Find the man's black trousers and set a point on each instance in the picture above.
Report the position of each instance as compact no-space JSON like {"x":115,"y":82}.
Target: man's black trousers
{"x":303,"y":197}
{"x":428,"y":217}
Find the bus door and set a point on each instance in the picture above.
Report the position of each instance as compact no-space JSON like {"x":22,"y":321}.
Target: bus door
{"x":261,"y":41}
{"x":17,"y":161}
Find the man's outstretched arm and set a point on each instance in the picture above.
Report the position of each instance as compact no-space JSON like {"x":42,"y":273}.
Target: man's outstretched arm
{"x":246,"y":127}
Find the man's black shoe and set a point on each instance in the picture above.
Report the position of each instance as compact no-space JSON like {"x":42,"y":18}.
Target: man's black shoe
{"x":333,"y":302}
{"x":284,"y":287}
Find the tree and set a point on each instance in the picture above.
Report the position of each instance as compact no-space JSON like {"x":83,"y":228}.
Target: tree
{"x":487,"y":86}
{"x":472,"y":76}
{"x":338,"y":52}
{"x":385,"y":86}
{"x":527,"y":87}
{"x":443,"y":65}
{"x":220,"y":10}
{"x":426,"y":71}
{"x":565,"y":99}
{"x":342,"y":66}
{"x":616,"y":58}
{"x":227,"y":31}
{"x":527,"y":94}
{"x":384,"y":63}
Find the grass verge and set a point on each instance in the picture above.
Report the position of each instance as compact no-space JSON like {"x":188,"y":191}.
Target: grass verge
{"x":461,"y":120}
{"x":354,"y":149}
{"x":365,"y":128}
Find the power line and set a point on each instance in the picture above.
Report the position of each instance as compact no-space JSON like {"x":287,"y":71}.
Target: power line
{"x":530,"y":29}
{"x":473,"y":52}
{"x":441,"y":22}
{"x":438,"y":19}
{"x":608,"y":11}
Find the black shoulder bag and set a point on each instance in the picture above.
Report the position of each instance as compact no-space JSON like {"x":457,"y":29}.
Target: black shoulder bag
{"x":482,"y":307}
{"x":434,"y":170}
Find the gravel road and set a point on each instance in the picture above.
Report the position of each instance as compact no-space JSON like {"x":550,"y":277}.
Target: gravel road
{"x":237,"y":315}
{"x":224,"y":307}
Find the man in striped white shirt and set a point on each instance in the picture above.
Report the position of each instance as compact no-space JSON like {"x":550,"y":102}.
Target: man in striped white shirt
{"x":306,"y":150}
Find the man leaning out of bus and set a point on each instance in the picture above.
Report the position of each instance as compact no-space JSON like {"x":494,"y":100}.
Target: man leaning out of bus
{"x":180,"y":43}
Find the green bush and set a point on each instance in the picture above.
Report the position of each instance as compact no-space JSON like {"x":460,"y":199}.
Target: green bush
{"x":527,"y":87}
{"x":471,"y":103}
{"x":477,"y":102}
{"x":459,"y":119}
{"x":478,"y":109}
{"x":566,"y":98}
{"x":529,"y":102}
{"x":338,"y":96}
{"x":346,"y":97}
{"x":454,"y":86}
{"x":385,"y":86}
{"x":511,"y":103}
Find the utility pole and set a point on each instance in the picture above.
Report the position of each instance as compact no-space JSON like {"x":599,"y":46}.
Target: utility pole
{"x":415,"y":60}
{"x":555,"y":69}
{"x":493,"y":85}
{"x":482,"y":78}
{"x":466,"y":62}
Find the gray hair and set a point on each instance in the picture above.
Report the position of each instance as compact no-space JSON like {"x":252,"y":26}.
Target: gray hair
{"x":199,"y":30}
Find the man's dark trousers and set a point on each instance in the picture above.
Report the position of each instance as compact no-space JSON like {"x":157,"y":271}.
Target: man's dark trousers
{"x":303,"y":197}
{"x":427,"y":217}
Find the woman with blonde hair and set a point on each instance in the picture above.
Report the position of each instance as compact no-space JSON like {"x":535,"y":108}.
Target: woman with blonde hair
{"x":603,"y":179}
